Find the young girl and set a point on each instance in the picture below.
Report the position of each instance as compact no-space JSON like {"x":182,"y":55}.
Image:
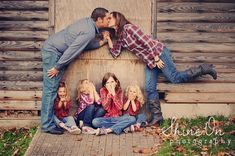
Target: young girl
{"x":133,"y":101}
{"x":112,"y":101}
{"x":62,"y":106}
{"x":89,"y":105}
{"x":155,"y":55}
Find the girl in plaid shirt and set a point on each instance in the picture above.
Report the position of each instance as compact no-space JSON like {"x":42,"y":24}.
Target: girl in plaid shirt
{"x":89,"y":106}
{"x":112,"y":101}
{"x":155,"y":55}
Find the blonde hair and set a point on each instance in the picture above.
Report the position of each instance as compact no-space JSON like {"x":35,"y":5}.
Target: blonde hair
{"x":80,"y":88}
{"x":139,"y":96}
{"x":63,"y":85}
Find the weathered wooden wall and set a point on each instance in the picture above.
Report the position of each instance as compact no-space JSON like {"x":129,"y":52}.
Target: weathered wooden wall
{"x":94,"y":64}
{"x":23,"y":28}
{"x":197,"y":32}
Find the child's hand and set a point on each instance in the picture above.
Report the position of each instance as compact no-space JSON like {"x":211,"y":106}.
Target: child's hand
{"x":106,"y":35}
{"x":131,"y":97}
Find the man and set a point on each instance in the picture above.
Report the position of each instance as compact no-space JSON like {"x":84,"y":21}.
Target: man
{"x":57,"y":52}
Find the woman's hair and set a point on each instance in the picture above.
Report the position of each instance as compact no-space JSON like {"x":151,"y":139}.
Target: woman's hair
{"x":139,"y":96}
{"x":63,"y":85}
{"x":120,"y":21}
{"x":107,"y":76}
{"x":98,"y":12}
{"x":80,"y":88}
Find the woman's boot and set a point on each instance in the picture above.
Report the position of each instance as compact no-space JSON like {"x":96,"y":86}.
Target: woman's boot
{"x":155,"y":110}
{"x":203,"y":69}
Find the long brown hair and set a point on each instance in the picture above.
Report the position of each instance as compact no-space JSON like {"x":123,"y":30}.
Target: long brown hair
{"x":63,"y":85}
{"x":120,"y":21}
{"x":107,"y":76}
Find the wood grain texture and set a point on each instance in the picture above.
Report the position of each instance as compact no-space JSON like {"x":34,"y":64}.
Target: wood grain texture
{"x":21,"y":66}
{"x":200,"y":97}
{"x":196,"y":27}
{"x":20,"y":45}
{"x":195,"y":7}
{"x":23,"y":15}
{"x":24,"y":5}
{"x":20,"y":105}
{"x":23,"y":25}
{"x":21,"y":75}
{"x":23,"y":35}
{"x":20,"y":55}
{"x":21,"y":85}
{"x":196,"y":17}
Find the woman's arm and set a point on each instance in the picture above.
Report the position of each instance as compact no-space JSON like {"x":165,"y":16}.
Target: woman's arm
{"x":115,"y":49}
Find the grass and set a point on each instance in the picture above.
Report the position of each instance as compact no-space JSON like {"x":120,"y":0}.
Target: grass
{"x":16,"y":141}
{"x":195,"y":137}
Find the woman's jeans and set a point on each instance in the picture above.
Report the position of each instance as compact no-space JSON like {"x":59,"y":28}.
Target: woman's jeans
{"x":68,"y":121}
{"x":49,"y":93}
{"x":89,"y":113}
{"x":117,"y":124}
{"x":169,"y":71}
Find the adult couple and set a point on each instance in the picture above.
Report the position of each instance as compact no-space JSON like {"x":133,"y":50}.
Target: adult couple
{"x":63,"y":47}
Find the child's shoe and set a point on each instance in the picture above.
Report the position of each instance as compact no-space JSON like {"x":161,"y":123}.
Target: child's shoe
{"x":74,"y":130}
{"x":129,"y":129}
{"x":88,"y":130}
{"x":101,"y":131}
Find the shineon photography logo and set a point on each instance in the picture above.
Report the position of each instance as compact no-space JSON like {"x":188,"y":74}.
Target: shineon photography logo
{"x":209,"y":134}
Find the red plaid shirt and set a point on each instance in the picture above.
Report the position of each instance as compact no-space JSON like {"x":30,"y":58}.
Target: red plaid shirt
{"x":130,"y":110}
{"x":112,"y":104}
{"x":143,"y":46}
{"x":62,"y":111}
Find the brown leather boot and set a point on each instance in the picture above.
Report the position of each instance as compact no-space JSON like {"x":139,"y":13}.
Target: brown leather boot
{"x":156,"y":114}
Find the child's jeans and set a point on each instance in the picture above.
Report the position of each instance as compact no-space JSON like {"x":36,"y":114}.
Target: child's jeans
{"x":89,"y":113}
{"x":68,"y":121}
{"x":141,"y":118}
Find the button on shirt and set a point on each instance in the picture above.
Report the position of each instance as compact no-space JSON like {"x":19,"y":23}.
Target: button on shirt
{"x":143,"y":46}
{"x":71,"y":41}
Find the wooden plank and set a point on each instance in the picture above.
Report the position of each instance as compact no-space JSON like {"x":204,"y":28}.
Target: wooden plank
{"x":196,"y":17}
{"x":21,"y":65}
{"x":19,"y":122}
{"x":116,"y":145}
{"x":169,"y":37}
{"x":198,"y":1}
{"x":20,"y":95}
{"x":51,"y":17}
{"x":21,"y":75}
{"x":195,"y":27}
{"x":24,"y":5}
{"x":24,"y":25}
{"x":196,"y":7}
{"x":102,"y":145}
{"x":20,"y":85}
{"x":204,"y":57}
{"x":20,"y":56}
{"x":24,"y":15}
{"x":198,"y":87}
{"x":200,"y":97}
{"x":20,"y":45}
{"x":23,"y":35}
{"x":20,"y":105}
{"x":109,"y":145}
{"x":202,"y":47}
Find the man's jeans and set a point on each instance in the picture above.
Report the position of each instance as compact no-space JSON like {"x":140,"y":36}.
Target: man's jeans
{"x":89,"y":113}
{"x":169,"y":71}
{"x":117,"y":124}
{"x":68,"y":121}
{"x":50,"y":86}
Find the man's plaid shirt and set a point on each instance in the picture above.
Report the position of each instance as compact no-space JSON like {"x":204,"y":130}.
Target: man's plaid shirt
{"x":143,"y":46}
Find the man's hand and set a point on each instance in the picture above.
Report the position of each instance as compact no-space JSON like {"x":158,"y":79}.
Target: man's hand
{"x":52,"y":72}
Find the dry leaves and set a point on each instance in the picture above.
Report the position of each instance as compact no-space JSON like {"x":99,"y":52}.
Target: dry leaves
{"x":151,"y":150}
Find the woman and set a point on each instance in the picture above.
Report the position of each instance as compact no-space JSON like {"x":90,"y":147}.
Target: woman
{"x":155,"y":55}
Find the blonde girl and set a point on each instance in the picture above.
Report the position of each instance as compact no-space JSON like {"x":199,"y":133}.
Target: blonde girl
{"x":133,"y":101}
{"x":89,"y":105}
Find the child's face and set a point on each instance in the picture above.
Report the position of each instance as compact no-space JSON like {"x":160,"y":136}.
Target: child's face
{"x":132,"y":92}
{"x":62,"y":92}
{"x":111,"y":82}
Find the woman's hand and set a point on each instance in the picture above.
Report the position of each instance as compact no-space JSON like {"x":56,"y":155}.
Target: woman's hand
{"x":159,"y":62}
{"x":111,"y":89}
{"x":52,"y":72}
